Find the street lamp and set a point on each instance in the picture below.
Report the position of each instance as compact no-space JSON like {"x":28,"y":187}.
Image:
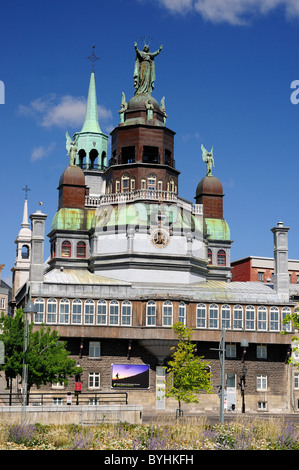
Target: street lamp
{"x":244,"y":346}
{"x":29,"y":308}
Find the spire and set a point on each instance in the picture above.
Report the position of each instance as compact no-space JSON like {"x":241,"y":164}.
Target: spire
{"x":91,"y":122}
{"x":25,"y":223}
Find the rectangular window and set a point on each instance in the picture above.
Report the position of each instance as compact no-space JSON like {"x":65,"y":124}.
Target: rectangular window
{"x":230,"y":350}
{"x":94,"y":349}
{"x":262,"y":405}
{"x":2,"y":302}
{"x":296,"y":380}
{"x":94,"y":380}
{"x":261,"y":382}
{"x":261,"y":351}
{"x":260,"y":276}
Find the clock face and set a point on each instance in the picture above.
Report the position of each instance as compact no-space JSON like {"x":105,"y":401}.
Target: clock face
{"x":160,"y":237}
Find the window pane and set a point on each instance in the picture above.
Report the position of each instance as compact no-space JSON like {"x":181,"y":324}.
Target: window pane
{"x":77,"y":311}
{"x":126,"y":313}
{"x":250,"y":318}
{"x":66,"y":249}
{"x":213,"y":316}
{"x":89,"y":312}
{"x":225,"y":316}
{"x":64,"y":311}
{"x":182,"y":313}
{"x":114,"y":313}
{"x":151,"y":314}
{"x":51,"y":311}
{"x":102,"y":313}
{"x":167,"y":314}
{"x":274,"y":319}
{"x":94,"y":349}
{"x":238,"y":317}
{"x":201,"y":315}
{"x":262,"y":318}
{"x":39,"y":315}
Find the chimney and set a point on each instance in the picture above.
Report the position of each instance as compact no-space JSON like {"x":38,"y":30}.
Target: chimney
{"x":281,"y":271}
{"x":38,"y":221}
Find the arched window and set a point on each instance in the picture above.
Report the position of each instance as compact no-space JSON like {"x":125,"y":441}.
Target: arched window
{"x":201,"y":316}
{"x":81,"y":250}
{"x":210,"y":256}
{"x":126,"y":313}
{"x":285,"y":312}
{"x":102,"y":313}
{"x":53,"y":250}
{"x":133,"y":184}
{"x":64,"y":311}
{"x":182,"y":313}
{"x":40,"y":306}
{"x":221,"y":258}
{"x":114,"y":313}
{"x":89,"y":312}
{"x":77,"y":311}
{"x":213,"y":316}
{"x":25,"y":252}
{"x":93,"y":155}
{"x":66,"y":249}
{"x":167,"y":314}
{"x":225,"y":316}
{"x":52,"y":311}
{"x":274,"y":319}
{"x":249,"y":318}
{"x":117,"y":186}
{"x":82,"y":156}
{"x":151,"y":313}
{"x":262,"y":318}
{"x":238,"y":317}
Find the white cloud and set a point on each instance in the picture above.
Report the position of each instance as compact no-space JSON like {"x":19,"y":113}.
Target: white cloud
{"x":235,"y":12}
{"x":66,"y":111}
{"x":41,"y":152}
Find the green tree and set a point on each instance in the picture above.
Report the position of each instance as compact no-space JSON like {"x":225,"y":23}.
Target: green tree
{"x":47,"y":358}
{"x":292,"y":320}
{"x":188,"y":375}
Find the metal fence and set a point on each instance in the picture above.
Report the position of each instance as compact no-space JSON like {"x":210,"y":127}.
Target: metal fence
{"x":64,"y":398}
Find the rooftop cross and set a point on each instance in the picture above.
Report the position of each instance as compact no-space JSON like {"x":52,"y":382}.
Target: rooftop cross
{"x":93,"y":58}
{"x":26,"y":189}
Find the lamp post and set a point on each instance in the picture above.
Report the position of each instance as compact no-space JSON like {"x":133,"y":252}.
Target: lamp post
{"x":244,"y":345}
{"x":29,"y":308}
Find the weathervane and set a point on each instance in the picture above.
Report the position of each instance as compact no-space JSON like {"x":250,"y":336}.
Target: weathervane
{"x":93,"y":58}
{"x":26,"y":189}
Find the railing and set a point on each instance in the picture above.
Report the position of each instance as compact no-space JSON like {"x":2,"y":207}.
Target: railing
{"x":139,"y":194}
{"x":92,"y":166}
{"x":64,"y":398}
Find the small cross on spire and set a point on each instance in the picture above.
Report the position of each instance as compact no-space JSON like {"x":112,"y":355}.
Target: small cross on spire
{"x":93,"y":59}
{"x":26,"y":189}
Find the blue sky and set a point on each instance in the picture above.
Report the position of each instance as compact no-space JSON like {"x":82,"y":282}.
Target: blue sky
{"x":225,"y":70}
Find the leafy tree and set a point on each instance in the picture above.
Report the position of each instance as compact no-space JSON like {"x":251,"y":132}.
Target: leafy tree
{"x":188,"y":374}
{"x":47,"y":359}
{"x":293,"y":320}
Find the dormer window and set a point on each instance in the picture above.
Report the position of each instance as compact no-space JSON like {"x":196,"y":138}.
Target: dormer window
{"x":66,"y":249}
{"x":81,"y":250}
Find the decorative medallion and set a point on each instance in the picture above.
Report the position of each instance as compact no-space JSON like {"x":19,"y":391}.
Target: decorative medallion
{"x":160,"y":237}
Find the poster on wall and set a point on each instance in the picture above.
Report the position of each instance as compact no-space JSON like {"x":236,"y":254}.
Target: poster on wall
{"x":130,"y":376}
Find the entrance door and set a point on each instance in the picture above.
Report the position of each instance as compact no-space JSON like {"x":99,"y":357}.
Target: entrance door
{"x":231,"y":392}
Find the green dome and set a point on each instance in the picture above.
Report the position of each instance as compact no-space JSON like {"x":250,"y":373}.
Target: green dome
{"x":216,"y":229}
{"x":73,"y":219}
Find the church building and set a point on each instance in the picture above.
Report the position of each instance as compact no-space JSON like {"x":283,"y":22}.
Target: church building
{"x":127,"y":257}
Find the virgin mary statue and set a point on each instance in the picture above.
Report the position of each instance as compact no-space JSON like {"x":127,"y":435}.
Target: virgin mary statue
{"x":144,"y":71}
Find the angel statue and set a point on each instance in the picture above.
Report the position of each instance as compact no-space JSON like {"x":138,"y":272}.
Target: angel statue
{"x":208,"y":159}
{"x":71,"y":148}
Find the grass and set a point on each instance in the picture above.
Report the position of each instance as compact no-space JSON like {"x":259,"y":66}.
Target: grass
{"x":184,"y":434}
